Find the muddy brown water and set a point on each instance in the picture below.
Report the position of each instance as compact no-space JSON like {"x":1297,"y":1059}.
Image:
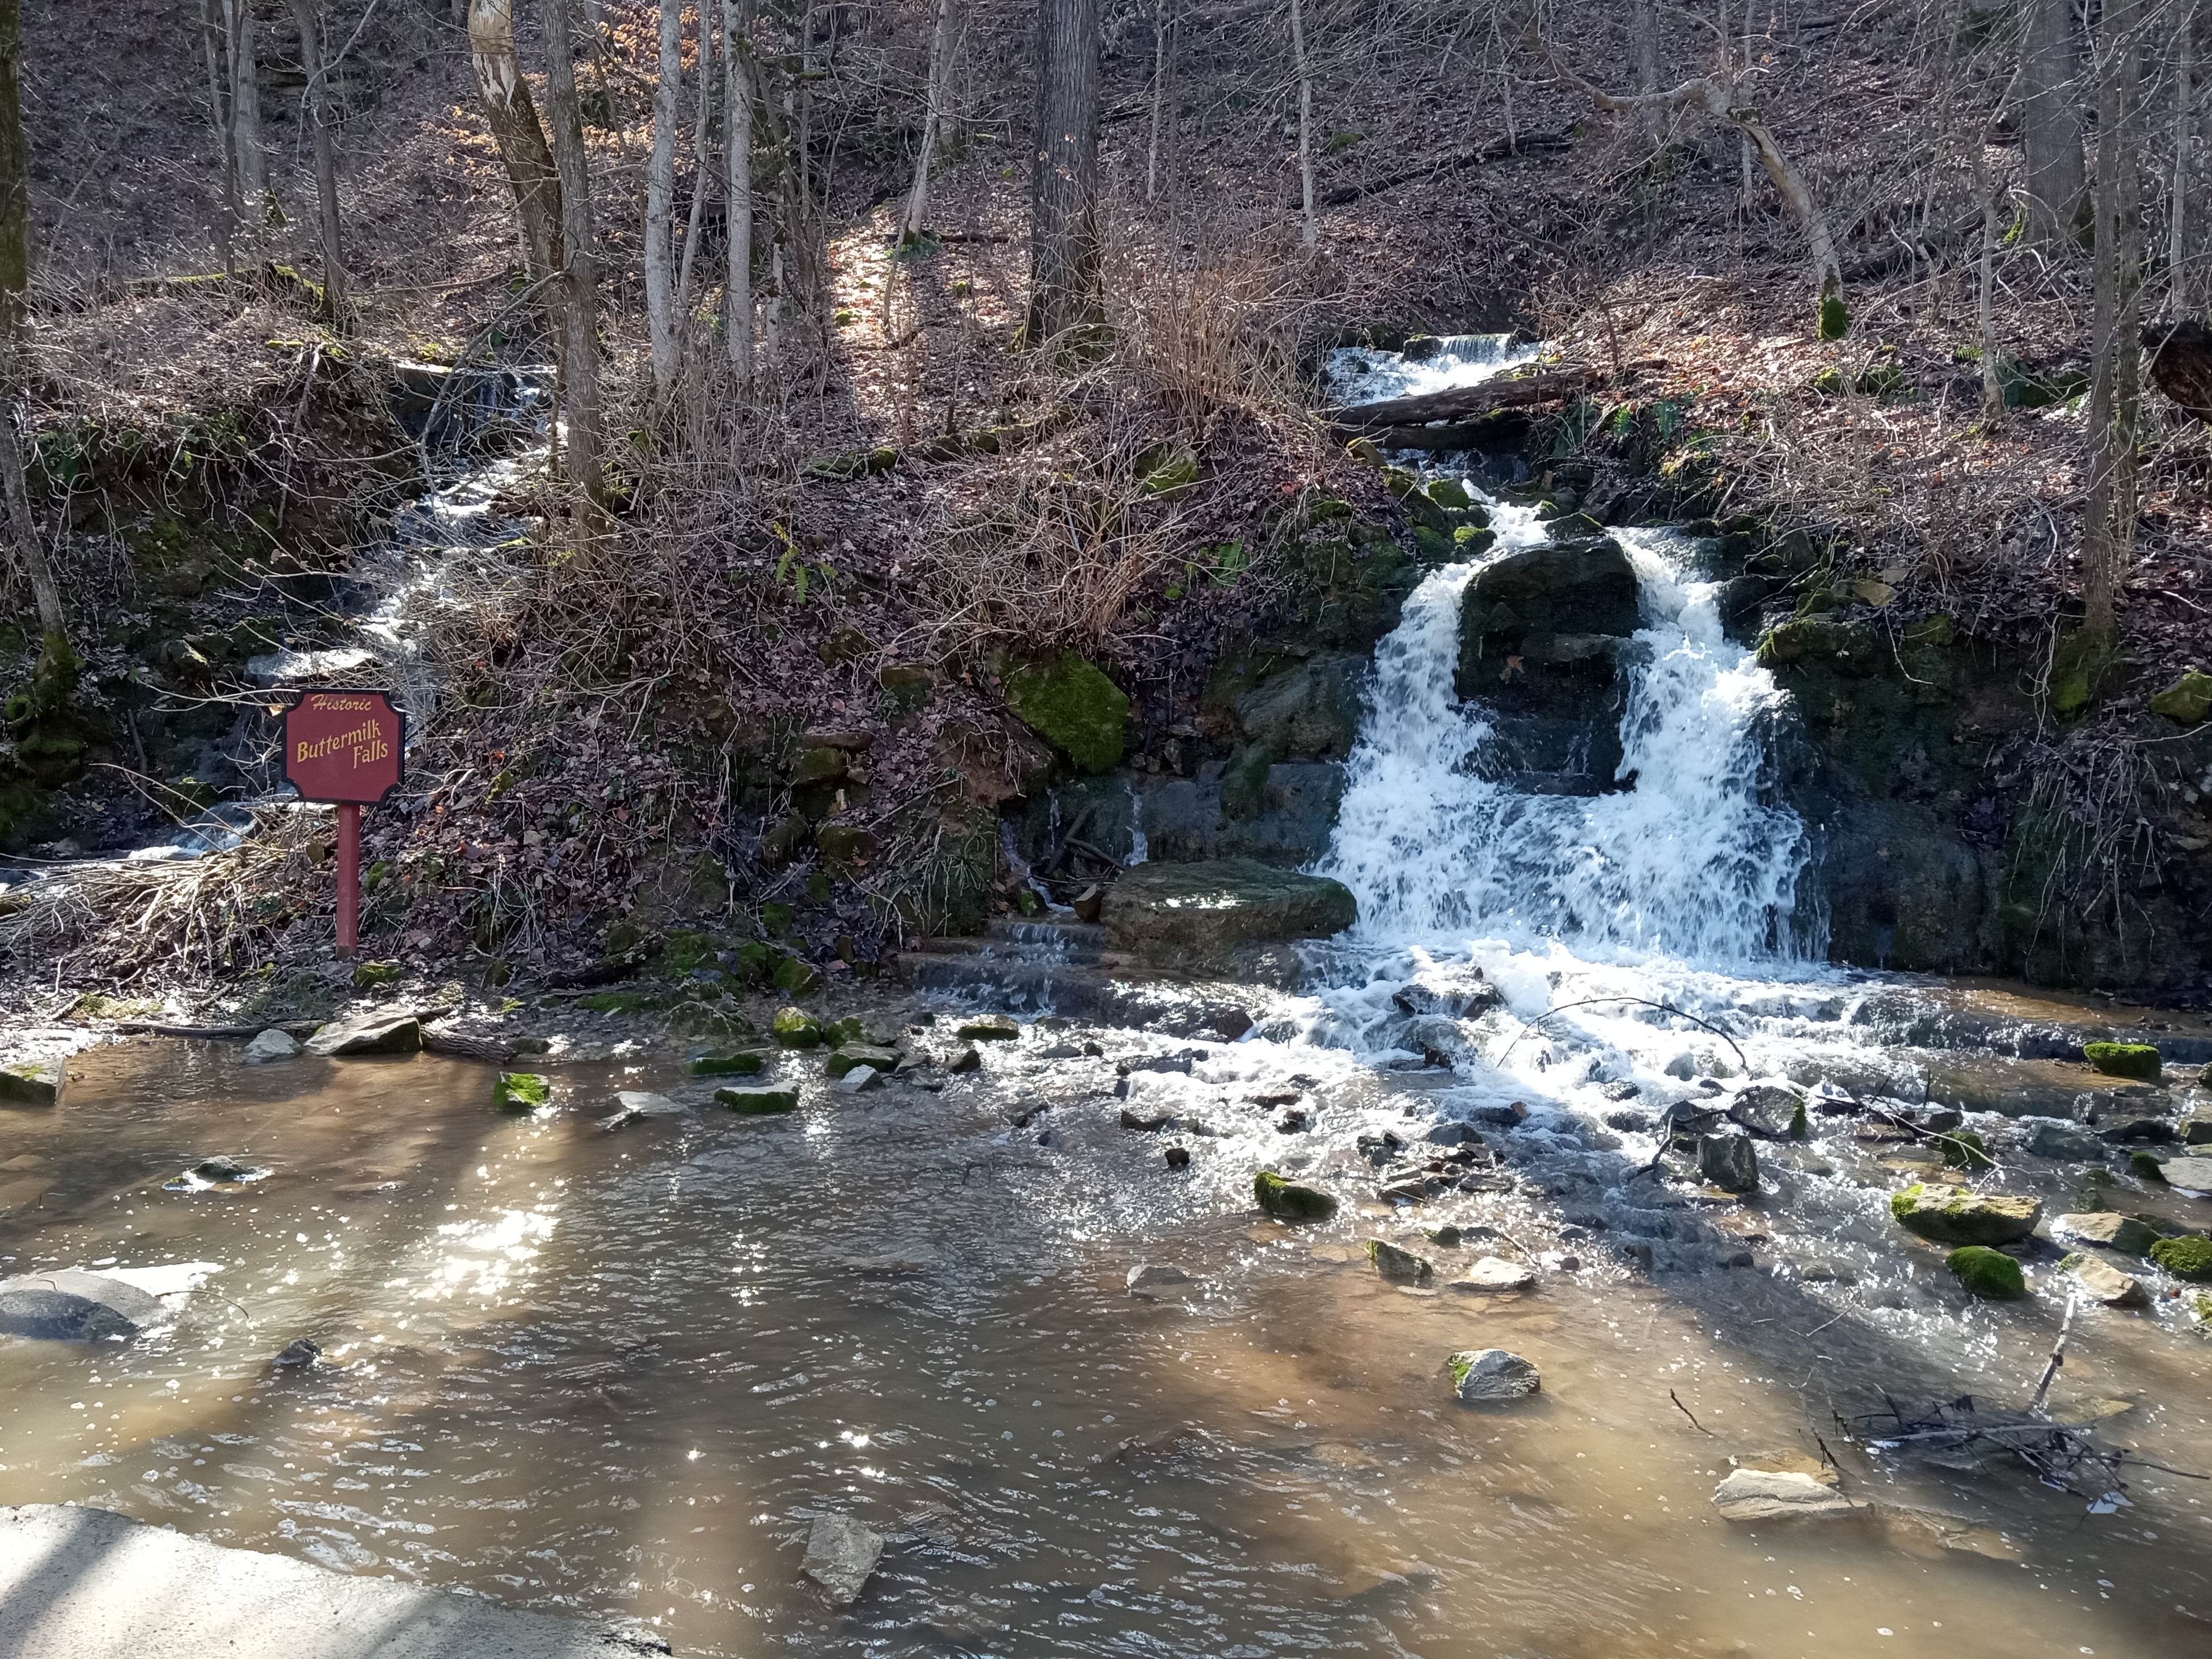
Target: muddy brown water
{"x":617,"y":1374}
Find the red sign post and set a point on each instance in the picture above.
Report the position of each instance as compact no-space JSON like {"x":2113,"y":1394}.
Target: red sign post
{"x":345,"y":746}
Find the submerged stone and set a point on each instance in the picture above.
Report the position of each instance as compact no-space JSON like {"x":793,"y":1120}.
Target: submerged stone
{"x":68,"y":1305}
{"x":759,"y":1101}
{"x":1958,"y":1216}
{"x":840,"y":1557}
{"x":1481,"y":1376}
{"x":742,"y":1063}
{"x":1990,"y":1274}
{"x":2108,"y":1228}
{"x":522,"y":1092}
{"x":2063,"y":1142}
{"x":1392,"y":1262}
{"x":2132,"y":1060}
{"x":1286,"y":1200}
{"x":1494,"y":1274}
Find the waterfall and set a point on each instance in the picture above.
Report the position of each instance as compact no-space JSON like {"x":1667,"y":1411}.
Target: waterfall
{"x":1688,"y":864}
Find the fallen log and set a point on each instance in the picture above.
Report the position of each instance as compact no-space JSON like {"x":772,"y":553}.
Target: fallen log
{"x":292,"y":1028}
{"x":1460,"y":402}
{"x":489,"y":1050}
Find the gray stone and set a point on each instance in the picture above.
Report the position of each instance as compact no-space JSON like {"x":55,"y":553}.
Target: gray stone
{"x":637,"y":1105}
{"x":1959,"y":1216}
{"x":1392,"y":1262}
{"x":841,"y":1556}
{"x":1481,"y":1376}
{"x":1224,"y":915}
{"x":2189,"y":1175}
{"x":1729,"y":1162}
{"x":33,"y":1082}
{"x":1494,"y":1274}
{"x":87,"y":1583}
{"x":369,"y":1034}
{"x":1769,"y":1110}
{"x":1308,"y":712}
{"x":858,"y":1078}
{"x":272,"y":1044}
{"x":299,"y":1354}
{"x":1150,"y":1276}
{"x":2107,"y":1228}
{"x":2061,"y":1142}
{"x":2102,"y":1282}
{"x":1788,"y":1494}
{"x":67,"y":1306}
{"x":969,"y":1059}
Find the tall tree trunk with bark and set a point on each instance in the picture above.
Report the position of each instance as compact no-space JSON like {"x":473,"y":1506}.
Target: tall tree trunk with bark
{"x":2051,"y":123}
{"x":1643,"y":27}
{"x":941,"y":80}
{"x":2185,"y":133}
{"x":1309,"y":226}
{"x":660,"y":206}
{"x":246,"y":111}
{"x":701,"y":173}
{"x":579,"y":375}
{"x":56,"y":658}
{"x":513,"y":118}
{"x":1064,"y":172}
{"x":1162,"y":59}
{"x":2115,"y":389}
{"x":216,"y":54}
{"x":737,"y":134}
{"x":317,"y":103}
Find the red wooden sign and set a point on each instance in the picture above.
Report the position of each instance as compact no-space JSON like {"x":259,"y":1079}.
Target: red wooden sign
{"x":343,"y":745}
{"x":346,"y":746}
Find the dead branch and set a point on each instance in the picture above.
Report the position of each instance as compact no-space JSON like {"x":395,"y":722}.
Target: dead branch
{"x":1460,"y":402}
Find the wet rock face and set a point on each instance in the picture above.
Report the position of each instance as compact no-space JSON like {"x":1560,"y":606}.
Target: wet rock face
{"x":1484,"y":1375}
{"x":1540,"y":635}
{"x":1228,"y":917}
{"x":70,"y":1306}
{"x":1954,"y":1215}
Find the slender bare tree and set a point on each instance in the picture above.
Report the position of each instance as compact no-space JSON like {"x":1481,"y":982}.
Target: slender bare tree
{"x":216,"y":54}
{"x":942,"y":37}
{"x":1644,"y":28}
{"x":15,"y":287}
{"x":701,"y":173}
{"x":2051,"y":123}
{"x":1064,"y":171}
{"x":245,"y":110}
{"x":2185,"y":132}
{"x":738,"y":138}
{"x":2115,"y":389}
{"x":1162,"y":59}
{"x":316,"y":100}
{"x":1309,"y":226}
{"x":660,"y":206}
{"x":579,"y":362}
{"x":513,"y":118}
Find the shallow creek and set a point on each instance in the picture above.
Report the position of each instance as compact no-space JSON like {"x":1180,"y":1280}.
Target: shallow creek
{"x":617,"y":1373}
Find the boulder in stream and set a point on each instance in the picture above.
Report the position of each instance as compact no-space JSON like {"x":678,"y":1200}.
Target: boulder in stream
{"x":1986,"y":1274}
{"x":2132,"y":1060}
{"x":1402,"y":1265}
{"x":1149,"y":1277}
{"x":843,"y":1060}
{"x":2061,"y":1142}
{"x":1286,"y":1200}
{"x":369,"y":1034}
{"x":856,"y":1079}
{"x":743,"y":1063}
{"x":988,"y":1028}
{"x":1959,"y":1215}
{"x":521,"y":1092}
{"x":1493,"y":1275}
{"x":1782,"y":1486}
{"x":1484,"y":1375}
{"x":68,"y":1305}
{"x":794,"y":1028}
{"x":1772,"y":1111}
{"x":1729,"y":1162}
{"x":272,"y":1044}
{"x":25,"y":1082}
{"x":2108,"y":1228}
{"x":840,"y":1557}
{"x":2101,"y":1281}
{"x":759,"y":1101}
{"x":1228,"y":917}
{"x":2187,"y":1257}
{"x":2189,"y":1175}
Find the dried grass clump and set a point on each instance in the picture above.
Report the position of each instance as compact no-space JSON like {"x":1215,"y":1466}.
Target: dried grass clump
{"x":223,"y":909}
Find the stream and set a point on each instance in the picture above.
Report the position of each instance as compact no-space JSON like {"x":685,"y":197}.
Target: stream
{"x":618,"y":1374}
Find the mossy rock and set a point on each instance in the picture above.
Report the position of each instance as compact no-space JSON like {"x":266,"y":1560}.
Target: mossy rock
{"x":742,"y":1063}
{"x":522,"y":1092}
{"x":794,"y":1028}
{"x":1990,"y":1275}
{"x":368,"y":974}
{"x":1955,"y":1215}
{"x":2188,"y":1257}
{"x":2139,"y":1060}
{"x":759,"y":1101}
{"x":1071,"y":704}
{"x":844,"y":1059}
{"x":2145,"y":1166}
{"x":795,"y":976}
{"x":1403,"y":1265}
{"x":34,"y":1082}
{"x":616,"y":1002}
{"x":989,"y":1028}
{"x":1286,"y":1200}
{"x":2187,"y":701}
{"x":1963,"y":1149}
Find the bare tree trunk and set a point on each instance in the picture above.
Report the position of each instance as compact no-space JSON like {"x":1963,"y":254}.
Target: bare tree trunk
{"x":531,"y":171}
{"x":579,"y":243}
{"x":2051,"y":123}
{"x":660,"y":202}
{"x":2185,"y":100}
{"x":233,"y":216}
{"x":2115,"y":393}
{"x":1986,"y":315}
{"x":940,"y":76}
{"x":701,"y":171}
{"x":1309,"y":228}
{"x":317,"y":101}
{"x":737,"y":134}
{"x":246,"y":111}
{"x":14,"y":287}
{"x":1064,"y":175}
{"x":1644,"y":26}
{"x":1160,"y":65}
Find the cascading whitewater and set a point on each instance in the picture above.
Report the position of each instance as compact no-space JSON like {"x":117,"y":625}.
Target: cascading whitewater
{"x":1688,"y":864}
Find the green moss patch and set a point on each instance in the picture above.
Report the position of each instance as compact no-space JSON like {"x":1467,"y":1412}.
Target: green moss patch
{"x":1071,"y":704}
{"x":2184,"y":1258}
{"x":1991,"y":1275}
{"x":522,"y":1092}
{"x":1286,"y":1200}
{"x":741,"y":1065}
{"x":2133,"y":1059}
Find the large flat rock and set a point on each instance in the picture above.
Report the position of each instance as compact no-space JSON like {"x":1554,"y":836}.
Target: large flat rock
{"x":1220,"y":915}
{"x":83,"y":1583}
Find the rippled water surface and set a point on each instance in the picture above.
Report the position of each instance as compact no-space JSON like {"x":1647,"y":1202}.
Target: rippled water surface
{"x":617,"y":1373}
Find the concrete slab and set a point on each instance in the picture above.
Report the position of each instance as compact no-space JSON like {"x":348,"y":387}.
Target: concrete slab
{"x":84,"y":1583}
